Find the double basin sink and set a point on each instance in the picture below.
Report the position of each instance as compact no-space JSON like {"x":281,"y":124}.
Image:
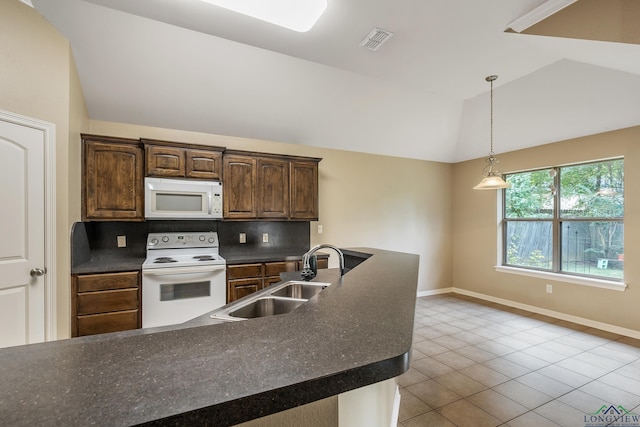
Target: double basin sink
{"x":278,"y":299}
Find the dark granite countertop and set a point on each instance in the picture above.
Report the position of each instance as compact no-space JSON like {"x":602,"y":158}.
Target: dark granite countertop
{"x":354,"y":333}
{"x":112,"y":261}
{"x":108,"y":263}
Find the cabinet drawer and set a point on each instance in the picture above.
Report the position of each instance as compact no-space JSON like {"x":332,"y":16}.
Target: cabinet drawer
{"x":275,"y":268}
{"x":107,"y":322}
{"x":323,"y":263}
{"x":244,"y":270}
{"x":104,"y":301}
{"x":104,"y":282}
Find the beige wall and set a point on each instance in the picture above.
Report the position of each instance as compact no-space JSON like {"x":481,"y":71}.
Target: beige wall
{"x":475,"y":229}
{"x":365,"y":200}
{"x":39,"y":81}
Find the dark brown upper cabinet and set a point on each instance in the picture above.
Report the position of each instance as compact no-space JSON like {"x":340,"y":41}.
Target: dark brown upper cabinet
{"x":166,"y":159}
{"x":239,"y":186}
{"x":255,"y":185}
{"x":112,"y":179}
{"x":264,"y":186}
{"x":273,"y":188}
{"x":304,"y":189}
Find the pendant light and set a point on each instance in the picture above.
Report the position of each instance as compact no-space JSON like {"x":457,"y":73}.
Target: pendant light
{"x":492,"y":176}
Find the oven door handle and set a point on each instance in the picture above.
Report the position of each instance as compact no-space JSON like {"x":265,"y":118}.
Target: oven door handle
{"x":182,"y":270}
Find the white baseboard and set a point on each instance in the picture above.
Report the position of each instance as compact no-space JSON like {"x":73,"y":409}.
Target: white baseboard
{"x":435,"y":292}
{"x":555,"y":314}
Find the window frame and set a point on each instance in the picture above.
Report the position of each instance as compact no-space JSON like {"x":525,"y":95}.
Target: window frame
{"x":556,"y":221}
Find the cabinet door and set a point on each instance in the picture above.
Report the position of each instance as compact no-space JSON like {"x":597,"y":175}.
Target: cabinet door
{"x":203,"y":164}
{"x":112,"y":182}
{"x":268,"y":281}
{"x":238,"y":288}
{"x":304,"y":190}
{"x":273,"y":188}
{"x":240,"y":187}
{"x":163,"y":161}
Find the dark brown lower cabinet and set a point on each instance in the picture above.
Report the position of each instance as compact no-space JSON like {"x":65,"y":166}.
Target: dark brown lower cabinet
{"x":108,"y":302}
{"x":245,"y":279}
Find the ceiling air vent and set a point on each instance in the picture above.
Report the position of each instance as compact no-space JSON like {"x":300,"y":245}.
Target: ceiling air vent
{"x":376,"y":38}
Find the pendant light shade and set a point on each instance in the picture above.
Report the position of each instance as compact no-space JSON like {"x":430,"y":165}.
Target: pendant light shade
{"x":492,"y":176}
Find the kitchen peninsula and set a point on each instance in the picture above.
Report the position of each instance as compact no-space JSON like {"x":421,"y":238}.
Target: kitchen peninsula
{"x":354,"y":333}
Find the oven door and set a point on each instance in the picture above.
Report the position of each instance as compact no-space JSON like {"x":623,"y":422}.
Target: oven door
{"x":172,"y":295}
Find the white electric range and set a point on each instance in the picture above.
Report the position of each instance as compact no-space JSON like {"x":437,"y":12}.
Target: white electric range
{"x":183,"y":277}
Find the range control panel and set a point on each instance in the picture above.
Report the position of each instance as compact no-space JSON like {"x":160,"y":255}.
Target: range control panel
{"x":207,"y":239}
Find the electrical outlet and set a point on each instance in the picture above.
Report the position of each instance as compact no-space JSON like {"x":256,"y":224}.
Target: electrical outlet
{"x":265,"y":237}
{"x":319,"y":228}
{"x":122,"y":241}
{"x":243,"y":237}
{"x":549,"y":289}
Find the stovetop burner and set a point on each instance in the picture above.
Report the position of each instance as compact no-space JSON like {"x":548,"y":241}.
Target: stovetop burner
{"x":164,"y":260}
{"x":190,"y":249}
{"x":204,"y":257}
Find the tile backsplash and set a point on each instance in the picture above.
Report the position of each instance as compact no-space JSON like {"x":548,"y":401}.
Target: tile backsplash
{"x":283,"y":236}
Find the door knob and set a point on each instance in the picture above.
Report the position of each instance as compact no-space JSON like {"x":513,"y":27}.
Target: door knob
{"x":37,"y":272}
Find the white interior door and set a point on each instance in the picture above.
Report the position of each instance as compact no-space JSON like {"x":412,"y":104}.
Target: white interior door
{"x":22,"y":227}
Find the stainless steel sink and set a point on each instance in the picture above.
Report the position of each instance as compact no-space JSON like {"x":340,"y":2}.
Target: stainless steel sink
{"x":267,"y":306}
{"x":277,"y":299}
{"x":303,"y":290}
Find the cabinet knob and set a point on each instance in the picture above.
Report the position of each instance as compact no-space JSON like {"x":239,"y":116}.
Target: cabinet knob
{"x":37,"y":272}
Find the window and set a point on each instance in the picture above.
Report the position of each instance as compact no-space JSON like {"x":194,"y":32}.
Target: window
{"x":567,"y":219}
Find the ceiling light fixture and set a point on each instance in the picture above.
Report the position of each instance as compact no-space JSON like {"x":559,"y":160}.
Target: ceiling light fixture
{"x":492,"y":176}
{"x":297,"y":15}
{"x":538,"y":14}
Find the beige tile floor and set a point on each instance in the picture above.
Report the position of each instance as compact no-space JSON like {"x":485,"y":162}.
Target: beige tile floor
{"x":476,"y":363}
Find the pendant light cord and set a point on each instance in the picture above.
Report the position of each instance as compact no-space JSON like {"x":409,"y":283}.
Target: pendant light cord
{"x":491,"y":79}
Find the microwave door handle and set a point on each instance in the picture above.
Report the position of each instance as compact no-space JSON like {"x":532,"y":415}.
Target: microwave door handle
{"x":210,"y":204}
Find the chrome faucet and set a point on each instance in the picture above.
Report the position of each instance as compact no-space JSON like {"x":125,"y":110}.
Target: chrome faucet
{"x":307,"y":273}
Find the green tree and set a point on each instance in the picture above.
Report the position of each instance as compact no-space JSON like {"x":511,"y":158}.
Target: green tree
{"x":530,"y":195}
{"x":596,"y":190}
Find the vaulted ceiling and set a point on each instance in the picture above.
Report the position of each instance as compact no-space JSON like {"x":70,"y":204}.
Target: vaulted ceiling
{"x":185,"y":64}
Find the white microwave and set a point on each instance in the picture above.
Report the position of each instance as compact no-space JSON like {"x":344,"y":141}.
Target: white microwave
{"x":182,"y":199}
